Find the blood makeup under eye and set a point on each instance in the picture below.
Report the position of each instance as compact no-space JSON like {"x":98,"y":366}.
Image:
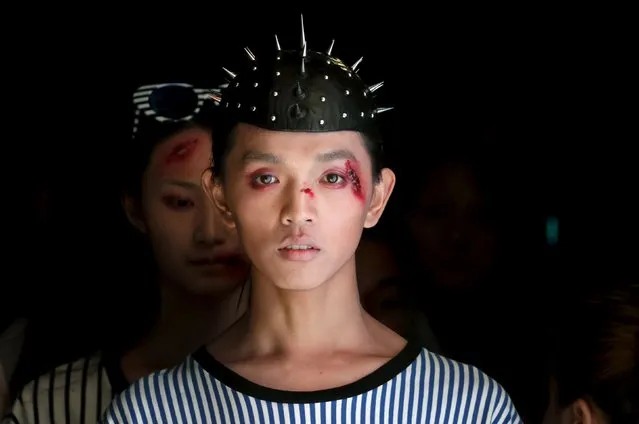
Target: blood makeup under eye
{"x":350,"y":174}
{"x":353,"y":171}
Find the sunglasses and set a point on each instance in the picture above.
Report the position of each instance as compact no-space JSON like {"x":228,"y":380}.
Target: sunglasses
{"x":171,"y":102}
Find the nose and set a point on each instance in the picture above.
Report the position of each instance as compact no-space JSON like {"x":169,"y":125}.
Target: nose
{"x":210,"y":229}
{"x":298,"y":207}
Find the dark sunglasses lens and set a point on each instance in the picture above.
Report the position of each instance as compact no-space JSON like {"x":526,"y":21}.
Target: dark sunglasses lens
{"x":173,"y":101}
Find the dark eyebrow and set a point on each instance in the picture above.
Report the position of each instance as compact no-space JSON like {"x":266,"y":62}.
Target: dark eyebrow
{"x":184,"y":184}
{"x":254,"y":156}
{"x":335,"y":155}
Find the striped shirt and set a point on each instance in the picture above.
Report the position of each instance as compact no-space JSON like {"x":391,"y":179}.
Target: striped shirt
{"x":73,"y":393}
{"x":417,"y":386}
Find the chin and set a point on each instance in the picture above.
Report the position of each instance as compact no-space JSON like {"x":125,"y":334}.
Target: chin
{"x":296,"y":280}
{"x":294,"y":275}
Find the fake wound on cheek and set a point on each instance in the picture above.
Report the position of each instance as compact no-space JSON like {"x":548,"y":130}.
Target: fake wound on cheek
{"x":353,"y":179}
{"x":353,"y":171}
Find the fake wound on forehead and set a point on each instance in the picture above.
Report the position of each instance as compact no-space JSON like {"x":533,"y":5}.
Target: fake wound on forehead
{"x":300,"y":90}
{"x":181,"y":151}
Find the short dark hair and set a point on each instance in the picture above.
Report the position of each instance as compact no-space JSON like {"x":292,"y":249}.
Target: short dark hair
{"x":223,"y":142}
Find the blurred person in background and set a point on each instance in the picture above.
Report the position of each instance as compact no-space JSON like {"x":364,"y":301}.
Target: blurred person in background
{"x":384,"y":294}
{"x":198,"y":276}
{"x":595,"y":372}
{"x":460,"y":238}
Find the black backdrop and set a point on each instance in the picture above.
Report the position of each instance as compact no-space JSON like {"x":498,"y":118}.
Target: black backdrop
{"x":549,"y":88}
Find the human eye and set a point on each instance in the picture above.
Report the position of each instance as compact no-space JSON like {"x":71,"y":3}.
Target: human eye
{"x":263,"y":180}
{"x":178,"y":203}
{"x":333,"y":178}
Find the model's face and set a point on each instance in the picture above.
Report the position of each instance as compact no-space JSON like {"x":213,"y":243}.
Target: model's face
{"x":192,"y":248}
{"x":299,"y":201}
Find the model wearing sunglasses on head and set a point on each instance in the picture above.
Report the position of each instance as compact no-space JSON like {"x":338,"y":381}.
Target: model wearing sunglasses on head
{"x":199,"y":269}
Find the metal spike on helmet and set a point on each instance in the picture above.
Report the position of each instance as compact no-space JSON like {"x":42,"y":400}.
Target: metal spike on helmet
{"x":301,"y":90}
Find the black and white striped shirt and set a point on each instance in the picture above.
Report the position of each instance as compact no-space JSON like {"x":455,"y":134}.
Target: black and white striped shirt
{"x":417,"y":386}
{"x":73,"y":393}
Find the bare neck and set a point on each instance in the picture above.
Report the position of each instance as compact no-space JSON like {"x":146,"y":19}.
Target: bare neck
{"x":186,"y":322}
{"x":326,"y":319}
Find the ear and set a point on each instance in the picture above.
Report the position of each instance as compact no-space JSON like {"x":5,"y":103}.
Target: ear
{"x":582,"y":413}
{"x":381,"y":193}
{"x":133,"y":212}
{"x":215,"y":192}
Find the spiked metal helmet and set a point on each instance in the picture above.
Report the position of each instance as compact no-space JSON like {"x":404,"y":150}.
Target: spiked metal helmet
{"x":300,"y":90}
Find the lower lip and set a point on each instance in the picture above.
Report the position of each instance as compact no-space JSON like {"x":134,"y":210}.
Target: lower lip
{"x":299,"y":255}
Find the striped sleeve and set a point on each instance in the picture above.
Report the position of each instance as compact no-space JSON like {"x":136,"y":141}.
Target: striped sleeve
{"x":154,"y":398}
{"x":120,"y":411}
{"x":504,"y":411}
{"x":25,"y":407}
{"x":461,"y":393}
{"x":165,"y":396}
{"x":73,"y":392}
{"x":113,"y":415}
